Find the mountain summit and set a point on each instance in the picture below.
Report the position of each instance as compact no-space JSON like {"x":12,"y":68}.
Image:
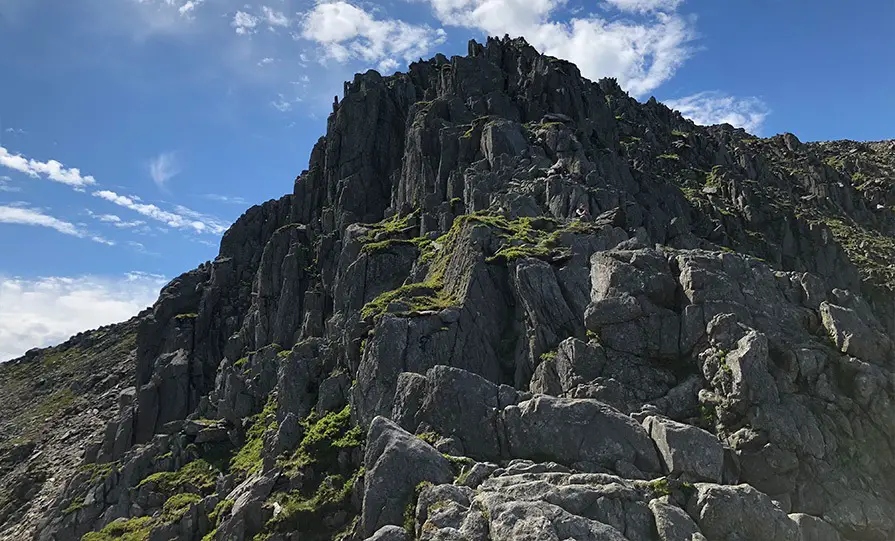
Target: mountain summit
{"x":502,"y":303}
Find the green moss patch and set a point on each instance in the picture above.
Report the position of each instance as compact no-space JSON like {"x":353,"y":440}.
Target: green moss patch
{"x":392,"y":232}
{"x":324,"y":438}
{"x":390,"y":226}
{"x":871,"y":251}
{"x":217,"y":516}
{"x":327,"y":481}
{"x":135,"y":529}
{"x":248,"y":459}
{"x":304,"y":514}
{"x":522,"y":237}
{"x":429,"y":437}
{"x":415,"y":298}
{"x":76,"y":504}
{"x":98,"y":471}
{"x":713,"y":177}
{"x":176,"y":506}
{"x":410,"y":510}
{"x":529,"y":237}
{"x":197,"y":476}
{"x":140,"y":528}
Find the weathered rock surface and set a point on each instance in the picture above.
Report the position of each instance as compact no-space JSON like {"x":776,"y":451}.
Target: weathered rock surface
{"x":686,"y":452}
{"x":579,"y":432}
{"x":738,"y":513}
{"x":672,"y":523}
{"x":396,"y":463}
{"x":502,"y":302}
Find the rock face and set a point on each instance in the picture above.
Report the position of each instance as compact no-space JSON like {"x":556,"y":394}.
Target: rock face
{"x":687,"y":452}
{"x":396,"y":462}
{"x":502,"y":302}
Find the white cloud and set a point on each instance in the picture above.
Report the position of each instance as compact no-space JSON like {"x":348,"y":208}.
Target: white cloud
{"x":187,"y":9}
{"x":274,"y":18}
{"x":144,"y":18}
{"x":644,"y":6}
{"x":51,"y":169}
{"x":642,"y":55}
{"x":141,"y":249}
{"x":40,"y":312}
{"x":265,"y":61}
{"x":282,"y":104}
{"x":348,"y":32}
{"x":26,"y":216}
{"x":388,"y":65}
{"x":23,"y":215}
{"x":210,"y":223}
{"x":714,"y":107}
{"x":226,"y":199}
{"x":244,"y":23}
{"x":116,"y":220}
{"x":163,"y":168}
{"x":5,"y":186}
{"x":183,"y":218}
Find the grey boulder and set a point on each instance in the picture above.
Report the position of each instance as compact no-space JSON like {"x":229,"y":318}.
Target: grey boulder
{"x":389,"y":533}
{"x":739,"y":513}
{"x":687,"y":452}
{"x":813,"y":528}
{"x":672,"y":523}
{"x":577,"y":431}
{"x":396,"y":463}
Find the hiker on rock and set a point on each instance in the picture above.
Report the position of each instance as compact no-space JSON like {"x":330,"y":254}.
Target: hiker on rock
{"x":583,"y":213}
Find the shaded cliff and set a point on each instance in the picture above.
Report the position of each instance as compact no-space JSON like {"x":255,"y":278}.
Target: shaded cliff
{"x":502,"y":302}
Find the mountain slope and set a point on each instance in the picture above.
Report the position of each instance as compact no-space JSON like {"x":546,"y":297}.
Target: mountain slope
{"x":502,"y":302}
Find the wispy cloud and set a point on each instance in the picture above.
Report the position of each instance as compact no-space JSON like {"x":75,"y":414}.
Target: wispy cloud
{"x":23,"y":215}
{"x":183,"y":218}
{"x":225,"y":199}
{"x":284,"y":104}
{"x":141,"y":249}
{"x":274,"y":17}
{"x":211,"y":223}
{"x":5,"y":186}
{"x":163,"y":168}
{"x":715,"y":107}
{"x":644,"y":6}
{"x":39,"y":312}
{"x":116,"y":220}
{"x":51,"y":169}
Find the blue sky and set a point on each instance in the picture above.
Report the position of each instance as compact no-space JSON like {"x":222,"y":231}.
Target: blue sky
{"x":133,"y":132}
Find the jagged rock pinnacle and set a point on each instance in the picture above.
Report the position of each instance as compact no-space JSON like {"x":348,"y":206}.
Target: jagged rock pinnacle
{"x":501,"y":302}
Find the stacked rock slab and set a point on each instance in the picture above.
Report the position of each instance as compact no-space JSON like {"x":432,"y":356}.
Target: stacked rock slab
{"x":504,"y":302}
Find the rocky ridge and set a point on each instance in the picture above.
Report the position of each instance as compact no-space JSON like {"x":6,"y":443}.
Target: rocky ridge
{"x":502,"y":302}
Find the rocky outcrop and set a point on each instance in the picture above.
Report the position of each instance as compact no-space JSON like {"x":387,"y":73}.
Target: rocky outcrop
{"x":687,"y":452}
{"x":396,"y":464}
{"x":502,"y":302}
